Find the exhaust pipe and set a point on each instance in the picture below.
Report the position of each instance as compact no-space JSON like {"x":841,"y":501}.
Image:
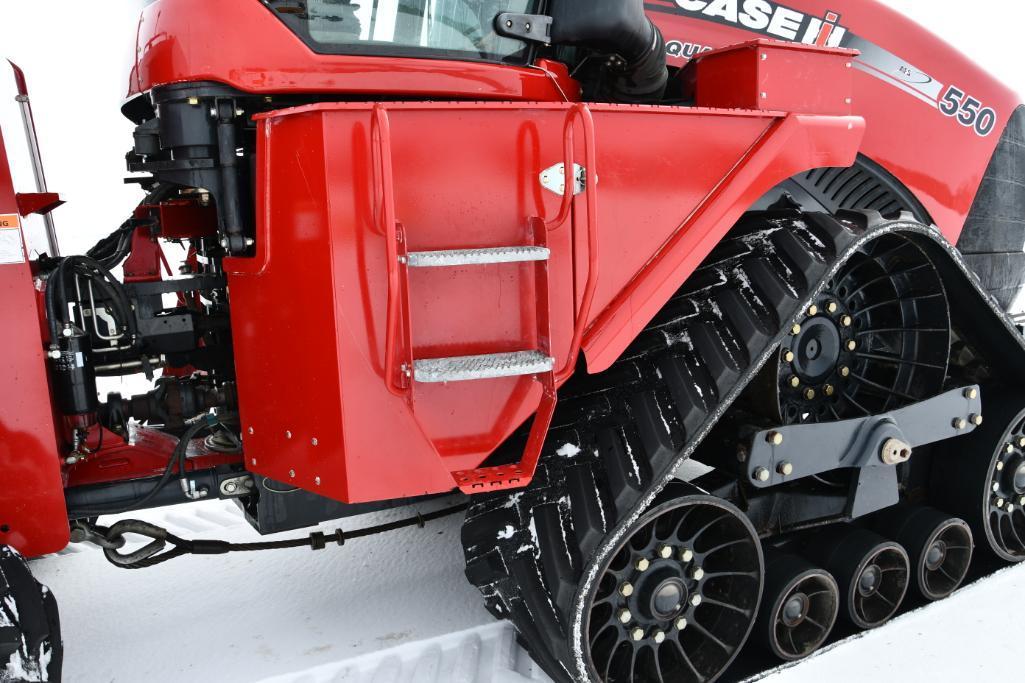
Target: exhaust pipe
{"x":637,"y":68}
{"x":33,"y":145}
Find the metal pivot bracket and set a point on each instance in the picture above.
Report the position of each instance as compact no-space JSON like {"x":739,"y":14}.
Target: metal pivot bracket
{"x":553,"y":179}
{"x":537,"y":28}
{"x":873,"y":444}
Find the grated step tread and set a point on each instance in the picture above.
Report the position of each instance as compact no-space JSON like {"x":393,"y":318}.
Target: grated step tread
{"x":486,"y":366}
{"x":476,"y":257}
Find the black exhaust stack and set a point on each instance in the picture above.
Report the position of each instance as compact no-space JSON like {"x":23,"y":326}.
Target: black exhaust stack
{"x":637,"y":66}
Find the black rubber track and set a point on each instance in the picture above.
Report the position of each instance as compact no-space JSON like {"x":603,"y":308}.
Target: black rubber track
{"x":619,"y":436}
{"x":30,"y":639}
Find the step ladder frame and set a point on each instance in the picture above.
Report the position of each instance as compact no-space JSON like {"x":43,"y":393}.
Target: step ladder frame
{"x":398,"y":377}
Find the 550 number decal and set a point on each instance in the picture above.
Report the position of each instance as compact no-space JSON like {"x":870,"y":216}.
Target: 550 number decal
{"x":968,"y":111}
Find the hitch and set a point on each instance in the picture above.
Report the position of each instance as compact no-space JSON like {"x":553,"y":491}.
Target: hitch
{"x":875,"y":445}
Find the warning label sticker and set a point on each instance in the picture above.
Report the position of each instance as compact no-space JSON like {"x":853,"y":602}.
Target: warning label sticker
{"x":12,"y":248}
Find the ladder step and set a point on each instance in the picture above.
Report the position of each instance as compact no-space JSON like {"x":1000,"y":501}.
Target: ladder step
{"x":489,"y":366}
{"x":476,"y":257}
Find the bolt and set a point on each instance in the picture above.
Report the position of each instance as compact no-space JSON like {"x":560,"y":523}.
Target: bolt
{"x":999,"y":466}
{"x":250,"y":431}
{"x":230,"y":487}
{"x":637,"y":634}
{"x":1021,"y":442}
{"x":832,"y":307}
{"x":789,"y":356}
{"x":762,"y":474}
{"x":809,"y":394}
{"x":626,"y":590}
{"x":764,"y":56}
{"x":1021,"y":501}
{"x":681,"y":623}
{"x":194,"y":101}
{"x":795,"y":382}
{"x":971,"y":393}
{"x":697,"y":573}
{"x":1000,"y":502}
{"x":624,"y":616}
{"x":316,"y":480}
{"x":288,"y":434}
{"x":253,"y":461}
{"x":291,"y":473}
{"x":813,"y":310}
{"x":852,"y":345}
{"x":659,"y":637}
{"x":1010,"y":507}
{"x":268,"y":99}
{"x":996,"y":487}
{"x":695,"y":600}
{"x":509,"y":24}
{"x":785,"y":468}
{"x":314,"y":442}
{"x":686,"y":555}
{"x":240,"y":112}
{"x":847,"y":321}
{"x":665,"y":551}
{"x":975,"y":420}
{"x":847,"y":100}
{"x":765,"y":95}
{"x":795,"y":330}
{"x":1008,"y":448}
{"x":829,"y":389}
{"x":775,"y":438}
{"x":642,"y":564}
{"x":527,"y":26}
{"x":959,"y":423}
{"x":845,"y":372}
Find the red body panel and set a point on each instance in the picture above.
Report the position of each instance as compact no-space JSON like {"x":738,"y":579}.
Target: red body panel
{"x":33,"y":518}
{"x":309,"y":311}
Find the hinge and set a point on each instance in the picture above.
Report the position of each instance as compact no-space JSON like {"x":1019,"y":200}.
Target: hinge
{"x":536,"y":28}
{"x":553,"y":179}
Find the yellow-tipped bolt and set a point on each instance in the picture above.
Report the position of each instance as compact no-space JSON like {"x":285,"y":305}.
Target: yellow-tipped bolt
{"x":1008,"y":448}
{"x":996,"y":487}
{"x":846,"y":321}
{"x":1010,"y":507}
{"x":697,"y":573}
{"x":762,"y":474}
{"x":626,"y":590}
{"x":686,"y":555}
{"x":624,"y":616}
{"x":775,"y":438}
{"x":1021,"y":501}
{"x":809,"y":394}
{"x":832,"y":307}
{"x":829,"y":389}
{"x":1000,"y":502}
{"x":976,"y":420}
{"x":695,"y":600}
{"x":1021,"y":442}
{"x":789,"y":356}
{"x":665,"y":552}
{"x":999,"y":466}
{"x":642,"y":564}
{"x":959,"y":423}
{"x":637,"y":634}
{"x":659,"y":637}
{"x":785,"y":468}
{"x":813,"y":310}
{"x":852,"y":345}
{"x":795,"y":330}
{"x":971,"y":393}
{"x":845,"y":372}
{"x":681,"y":623}
{"x":795,"y":382}
{"x":194,"y":101}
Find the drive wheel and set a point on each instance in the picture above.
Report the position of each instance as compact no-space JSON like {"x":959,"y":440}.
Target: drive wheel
{"x":678,"y":598}
{"x":30,"y":641}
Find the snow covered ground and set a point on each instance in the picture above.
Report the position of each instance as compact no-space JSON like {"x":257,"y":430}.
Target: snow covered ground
{"x":396,"y":609}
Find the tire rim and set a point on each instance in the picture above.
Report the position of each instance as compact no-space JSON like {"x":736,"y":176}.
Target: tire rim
{"x":803,"y":615}
{"x":1004,"y":497}
{"x":878,"y":586}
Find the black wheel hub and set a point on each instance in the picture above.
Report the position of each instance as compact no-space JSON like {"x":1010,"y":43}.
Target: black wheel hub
{"x":936,"y":555}
{"x":1005,"y":495}
{"x":869,"y":581}
{"x":667,"y":599}
{"x":817,"y":349}
{"x":795,"y":610}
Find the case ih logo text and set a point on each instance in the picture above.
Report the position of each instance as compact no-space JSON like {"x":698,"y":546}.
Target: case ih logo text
{"x":771,"y":19}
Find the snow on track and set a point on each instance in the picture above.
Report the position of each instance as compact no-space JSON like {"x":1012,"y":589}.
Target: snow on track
{"x":396,"y":608}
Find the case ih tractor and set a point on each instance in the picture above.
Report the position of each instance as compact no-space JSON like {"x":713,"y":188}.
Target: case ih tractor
{"x":700,"y":303}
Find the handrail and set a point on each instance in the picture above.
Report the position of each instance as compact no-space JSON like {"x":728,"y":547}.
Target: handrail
{"x":380,"y":138}
{"x":590,"y":190}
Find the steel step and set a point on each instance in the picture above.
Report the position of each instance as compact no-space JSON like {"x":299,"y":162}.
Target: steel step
{"x":475,"y":257}
{"x":489,"y":366}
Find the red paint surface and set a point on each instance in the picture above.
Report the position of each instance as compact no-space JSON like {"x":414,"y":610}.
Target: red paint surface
{"x":33,"y":518}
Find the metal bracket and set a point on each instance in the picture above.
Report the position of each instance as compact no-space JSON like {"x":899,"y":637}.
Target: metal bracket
{"x":553,"y":179}
{"x":882,"y":441}
{"x":236,"y":486}
{"x":536,"y":28}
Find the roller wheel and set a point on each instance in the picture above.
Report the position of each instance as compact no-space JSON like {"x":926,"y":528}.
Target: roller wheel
{"x":799,"y":608}
{"x":678,"y":598}
{"x":872,"y":574}
{"x":939,"y":547}
{"x":30,"y":641}
{"x":981,"y":478}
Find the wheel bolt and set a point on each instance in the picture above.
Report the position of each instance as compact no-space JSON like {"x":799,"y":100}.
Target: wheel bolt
{"x":971,"y":393}
{"x":665,"y":551}
{"x":697,"y":573}
{"x":1009,"y":448}
{"x":785,"y":468}
{"x":625,"y":616}
{"x":659,"y":637}
{"x":996,"y":487}
{"x":1010,"y":507}
{"x":686,"y":555}
{"x":775,"y":438}
{"x":813,"y":310}
{"x":959,"y":423}
{"x":1021,"y":501}
{"x":637,"y":634}
{"x":999,"y":466}
{"x":845,"y":372}
{"x":642,"y":564}
{"x":1000,"y":502}
{"x":789,"y":356}
{"x":626,"y":590}
{"x":681,"y":623}
{"x":829,"y":389}
{"x":795,"y":381}
{"x":809,"y":394}
{"x":847,"y":321}
{"x":762,"y":474}
{"x":795,"y":330}
{"x":695,"y":600}
{"x":832,"y":307}
{"x":852,"y":345}
{"x":976,"y":420}
{"x":1021,"y":442}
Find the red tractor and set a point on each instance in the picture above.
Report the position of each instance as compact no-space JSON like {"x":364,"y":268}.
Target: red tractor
{"x":698,"y":302}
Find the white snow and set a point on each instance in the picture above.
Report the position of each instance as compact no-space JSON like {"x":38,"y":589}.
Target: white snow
{"x":507,"y":532}
{"x":568,"y":450}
